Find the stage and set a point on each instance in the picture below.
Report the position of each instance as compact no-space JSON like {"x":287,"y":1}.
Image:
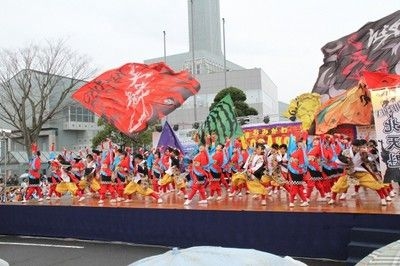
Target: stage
{"x":317,"y":231}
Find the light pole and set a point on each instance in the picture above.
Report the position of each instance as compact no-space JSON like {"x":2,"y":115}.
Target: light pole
{"x":193,"y":63}
{"x":165,"y":47}
{"x":4,"y":139}
{"x":223,"y":38}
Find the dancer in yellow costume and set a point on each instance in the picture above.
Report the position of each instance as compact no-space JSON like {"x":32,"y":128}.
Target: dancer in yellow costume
{"x":254,"y":168}
{"x":140,"y":183}
{"x":66,"y":185}
{"x":90,"y":174}
{"x":355,"y":160}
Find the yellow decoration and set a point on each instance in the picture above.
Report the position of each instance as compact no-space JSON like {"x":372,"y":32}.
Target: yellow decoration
{"x":304,"y":108}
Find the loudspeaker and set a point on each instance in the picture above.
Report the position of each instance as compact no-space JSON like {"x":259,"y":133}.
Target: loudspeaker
{"x":196,"y":125}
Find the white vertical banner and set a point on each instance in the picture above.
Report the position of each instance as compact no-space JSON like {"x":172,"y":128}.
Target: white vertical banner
{"x":386,"y":107}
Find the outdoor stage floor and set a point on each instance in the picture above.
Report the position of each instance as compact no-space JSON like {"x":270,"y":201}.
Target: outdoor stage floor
{"x":366,"y":202}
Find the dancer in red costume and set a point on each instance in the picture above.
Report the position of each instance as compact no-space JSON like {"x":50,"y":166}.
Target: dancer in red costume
{"x":297,"y":169}
{"x":106,"y":182}
{"x":216,"y":172}
{"x":55,"y":177}
{"x":199,"y":175}
{"x":315,"y":170}
{"x":238,"y":181}
{"x":34,"y":175}
{"x":78,"y":170}
{"x":122,"y":169}
{"x":156,"y":171}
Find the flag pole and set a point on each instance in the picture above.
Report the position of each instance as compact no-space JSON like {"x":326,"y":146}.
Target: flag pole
{"x":165,"y":61}
{"x":193,"y":63}
{"x":223,"y":38}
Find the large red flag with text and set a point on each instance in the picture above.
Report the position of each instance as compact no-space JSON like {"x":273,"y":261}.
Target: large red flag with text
{"x":131,"y":96}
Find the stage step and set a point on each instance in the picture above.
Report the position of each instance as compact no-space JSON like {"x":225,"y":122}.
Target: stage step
{"x":366,"y":240}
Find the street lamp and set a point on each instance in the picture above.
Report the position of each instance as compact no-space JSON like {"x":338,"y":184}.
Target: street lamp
{"x":193,"y":62}
{"x":4,"y":138}
{"x":223,"y":38}
{"x":165,"y":47}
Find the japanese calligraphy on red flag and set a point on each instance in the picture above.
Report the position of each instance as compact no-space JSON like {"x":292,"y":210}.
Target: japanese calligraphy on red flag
{"x":131,"y":96}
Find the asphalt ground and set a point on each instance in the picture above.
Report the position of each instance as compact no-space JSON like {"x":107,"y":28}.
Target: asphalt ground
{"x":29,"y":251}
{"x":34,"y":251}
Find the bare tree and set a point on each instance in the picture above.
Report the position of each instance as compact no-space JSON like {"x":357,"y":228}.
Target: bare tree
{"x":34,"y":83}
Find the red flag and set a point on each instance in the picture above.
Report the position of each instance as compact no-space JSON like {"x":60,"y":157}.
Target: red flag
{"x":134,"y":94}
{"x":378,"y":80}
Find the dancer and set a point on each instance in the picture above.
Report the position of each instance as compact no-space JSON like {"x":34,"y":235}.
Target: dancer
{"x":156,"y":171}
{"x":121,"y":167}
{"x":167,"y":167}
{"x":315,"y":171}
{"x":90,"y":174}
{"x":140,"y":183}
{"x":67,"y":184}
{"x":78,"y":169}
{"x":254,"y":168}
{"x":55,"y":177}
{"x":106,"y":179}
{"x":297,"y":169}
{"x":238,"y":182}
{"x":274,"y":175}
{"x":215,"y":172}
{"x":34,"y":175}
{"x":199,"y":175}
{"x":355,"y":159}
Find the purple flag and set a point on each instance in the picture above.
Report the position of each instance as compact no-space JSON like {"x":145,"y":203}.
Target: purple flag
{"x":169,"y":139}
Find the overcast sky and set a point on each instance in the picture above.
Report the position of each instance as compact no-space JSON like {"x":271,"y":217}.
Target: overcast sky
{"x":284,"y":37}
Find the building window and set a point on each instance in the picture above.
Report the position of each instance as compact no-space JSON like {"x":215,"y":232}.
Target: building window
{"x":79,"y":114}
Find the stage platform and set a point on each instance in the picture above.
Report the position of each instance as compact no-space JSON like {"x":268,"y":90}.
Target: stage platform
{"x":317,"y":231}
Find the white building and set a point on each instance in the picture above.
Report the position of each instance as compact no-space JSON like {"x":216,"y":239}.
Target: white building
{"x":208,"y":61}
{"x":72,"y":128}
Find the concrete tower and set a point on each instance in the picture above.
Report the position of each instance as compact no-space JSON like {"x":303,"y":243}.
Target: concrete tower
{"x":206,"y":26}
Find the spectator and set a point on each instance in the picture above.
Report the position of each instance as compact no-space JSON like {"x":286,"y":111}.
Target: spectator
{"x":24,"y":186}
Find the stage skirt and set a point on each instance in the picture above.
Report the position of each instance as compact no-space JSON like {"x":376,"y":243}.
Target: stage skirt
{"x":165,"y":180}
{"x":239,"y":179}
{"x":133,"y":187}
{"x":65,"y":187}
{"x":255,"y":187}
